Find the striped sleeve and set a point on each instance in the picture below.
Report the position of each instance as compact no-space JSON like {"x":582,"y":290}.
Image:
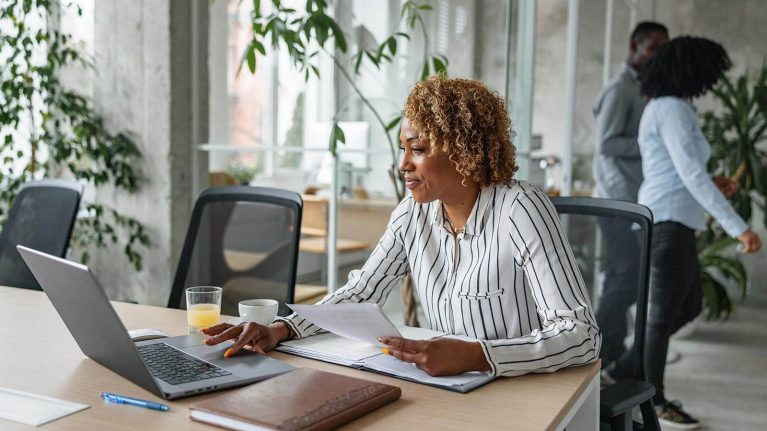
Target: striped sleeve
{"x":386,"y":265}
{"x":569,"y":335}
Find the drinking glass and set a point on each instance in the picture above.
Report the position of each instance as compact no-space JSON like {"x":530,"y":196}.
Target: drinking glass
{"x":203,"y":307}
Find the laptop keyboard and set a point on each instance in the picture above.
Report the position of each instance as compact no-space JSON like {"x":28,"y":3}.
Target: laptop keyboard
{"x":177,"y":367}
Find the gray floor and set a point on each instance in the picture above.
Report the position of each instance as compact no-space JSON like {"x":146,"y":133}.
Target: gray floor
{"x":721,"y":377}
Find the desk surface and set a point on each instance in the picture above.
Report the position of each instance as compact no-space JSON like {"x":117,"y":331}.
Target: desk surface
{"x":40,"y":356}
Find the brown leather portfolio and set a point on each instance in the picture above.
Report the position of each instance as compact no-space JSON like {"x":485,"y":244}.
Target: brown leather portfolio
{"x":304,"y":399}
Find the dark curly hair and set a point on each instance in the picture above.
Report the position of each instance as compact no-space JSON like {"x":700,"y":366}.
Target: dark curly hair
{"x":685,"y":67}
{"x":463,"y":118}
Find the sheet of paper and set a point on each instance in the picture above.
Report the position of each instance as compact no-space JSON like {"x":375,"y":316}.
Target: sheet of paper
{"x":361,"y":322}
{"x":415,"y":333}
{"x":33,"y":409}
{"x":333,"y":345}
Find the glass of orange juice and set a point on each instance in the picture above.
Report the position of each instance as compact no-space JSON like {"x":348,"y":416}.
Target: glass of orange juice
{"x":203,"y":307}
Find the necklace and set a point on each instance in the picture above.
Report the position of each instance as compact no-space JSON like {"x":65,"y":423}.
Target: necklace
{"x":453,"y":228}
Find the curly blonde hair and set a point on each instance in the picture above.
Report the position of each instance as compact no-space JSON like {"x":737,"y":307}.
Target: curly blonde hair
{"x":467,"y":122}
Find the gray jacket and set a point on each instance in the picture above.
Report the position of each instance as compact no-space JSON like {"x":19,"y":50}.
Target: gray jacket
{"x":617,"y":162}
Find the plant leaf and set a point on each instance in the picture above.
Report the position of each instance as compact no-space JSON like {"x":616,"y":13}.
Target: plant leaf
{"x":336,"y":136}
{"x":338,"y":34}
{"x":393,"y":123}
{"x":259,"y":46}
{"x":251,"y":57}
{"x":392,"y":44}
{"x":439,"y":66}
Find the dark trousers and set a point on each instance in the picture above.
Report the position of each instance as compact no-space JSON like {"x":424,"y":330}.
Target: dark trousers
{"x":676,"y":298}
{"x":621,"y":266}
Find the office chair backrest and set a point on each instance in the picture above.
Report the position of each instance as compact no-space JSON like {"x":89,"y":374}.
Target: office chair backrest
{"x":42,"y":217}
{"x":588,"y":223}
{"x":245,"y":240}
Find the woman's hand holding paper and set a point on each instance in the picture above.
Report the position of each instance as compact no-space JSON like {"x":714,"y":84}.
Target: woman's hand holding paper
{"x":441,"y":356}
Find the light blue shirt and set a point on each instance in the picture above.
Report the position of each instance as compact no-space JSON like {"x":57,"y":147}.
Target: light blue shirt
{"x":676,"y":185}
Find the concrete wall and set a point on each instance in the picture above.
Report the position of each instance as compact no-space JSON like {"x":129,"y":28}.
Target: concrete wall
{"x":145,"y":84}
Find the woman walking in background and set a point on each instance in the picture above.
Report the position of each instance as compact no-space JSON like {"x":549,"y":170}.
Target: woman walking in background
{"x":679,"y":191}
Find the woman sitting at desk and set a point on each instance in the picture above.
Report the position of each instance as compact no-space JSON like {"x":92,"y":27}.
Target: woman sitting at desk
{"x":486,"y":252}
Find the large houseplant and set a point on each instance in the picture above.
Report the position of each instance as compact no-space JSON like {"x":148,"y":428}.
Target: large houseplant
{"x":307,"y":34}
{"x":738,"y":136}
{"x":47,"y":129}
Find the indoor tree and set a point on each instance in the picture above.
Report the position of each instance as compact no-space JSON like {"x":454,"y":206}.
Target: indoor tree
{"x":47,"y":129}
{"x":737,"y":133}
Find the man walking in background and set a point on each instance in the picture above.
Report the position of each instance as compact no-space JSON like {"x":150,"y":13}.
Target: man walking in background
{"x":618,"y":174}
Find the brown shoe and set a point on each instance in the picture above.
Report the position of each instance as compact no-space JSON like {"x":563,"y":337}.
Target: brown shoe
{"x":671,"y":416}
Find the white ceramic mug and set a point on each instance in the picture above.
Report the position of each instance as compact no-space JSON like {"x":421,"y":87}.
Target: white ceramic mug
{"x":261,"y":311}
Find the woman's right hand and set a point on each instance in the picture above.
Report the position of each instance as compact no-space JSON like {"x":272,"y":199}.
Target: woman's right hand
{"x":257,"y":337}
{"x":726,"y":185}
{"x":750,"y":240}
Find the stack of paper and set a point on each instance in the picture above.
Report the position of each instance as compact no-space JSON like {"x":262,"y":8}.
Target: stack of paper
{"x":330,"y":347}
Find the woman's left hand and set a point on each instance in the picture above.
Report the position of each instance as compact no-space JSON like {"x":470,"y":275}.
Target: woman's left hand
{"x":439,"y":356}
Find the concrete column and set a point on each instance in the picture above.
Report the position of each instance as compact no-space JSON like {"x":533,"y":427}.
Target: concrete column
{"x":150,"y":83}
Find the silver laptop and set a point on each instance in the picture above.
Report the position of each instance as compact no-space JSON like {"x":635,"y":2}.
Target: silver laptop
{"x":173,"y":367}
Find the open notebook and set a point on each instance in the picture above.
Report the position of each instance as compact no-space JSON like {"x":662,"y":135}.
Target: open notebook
{"x":329,"y":347}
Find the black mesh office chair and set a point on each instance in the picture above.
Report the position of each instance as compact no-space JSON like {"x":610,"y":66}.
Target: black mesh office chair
{"x":589,"y":223}
{"x":245,"y":240}
{"x":42,"y":217}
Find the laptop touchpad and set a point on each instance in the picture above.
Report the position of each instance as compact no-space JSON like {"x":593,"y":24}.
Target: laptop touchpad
{"x":214,"y":353}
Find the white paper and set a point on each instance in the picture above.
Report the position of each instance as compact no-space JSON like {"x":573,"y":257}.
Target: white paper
{"x":415,"y":333}
{"x":333,"y":346}
{"x":33,"y":409}
{"x":362,"y":322}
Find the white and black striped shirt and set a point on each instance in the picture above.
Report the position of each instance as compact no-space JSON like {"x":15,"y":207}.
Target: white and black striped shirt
{"x":510,"y":280}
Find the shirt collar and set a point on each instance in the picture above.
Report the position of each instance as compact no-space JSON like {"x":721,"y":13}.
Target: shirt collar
{"x":476,"y":222}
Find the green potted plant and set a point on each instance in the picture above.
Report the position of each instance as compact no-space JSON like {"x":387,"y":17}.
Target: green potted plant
{"x":737,"y":134}
{"x":47,"y":129}
{"x":243,"y":174}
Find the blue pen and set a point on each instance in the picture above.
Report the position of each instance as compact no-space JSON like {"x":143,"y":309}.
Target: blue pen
{"x":119,"y":399}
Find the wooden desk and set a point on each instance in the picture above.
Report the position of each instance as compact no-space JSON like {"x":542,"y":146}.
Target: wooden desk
{"x":39,"y":355}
